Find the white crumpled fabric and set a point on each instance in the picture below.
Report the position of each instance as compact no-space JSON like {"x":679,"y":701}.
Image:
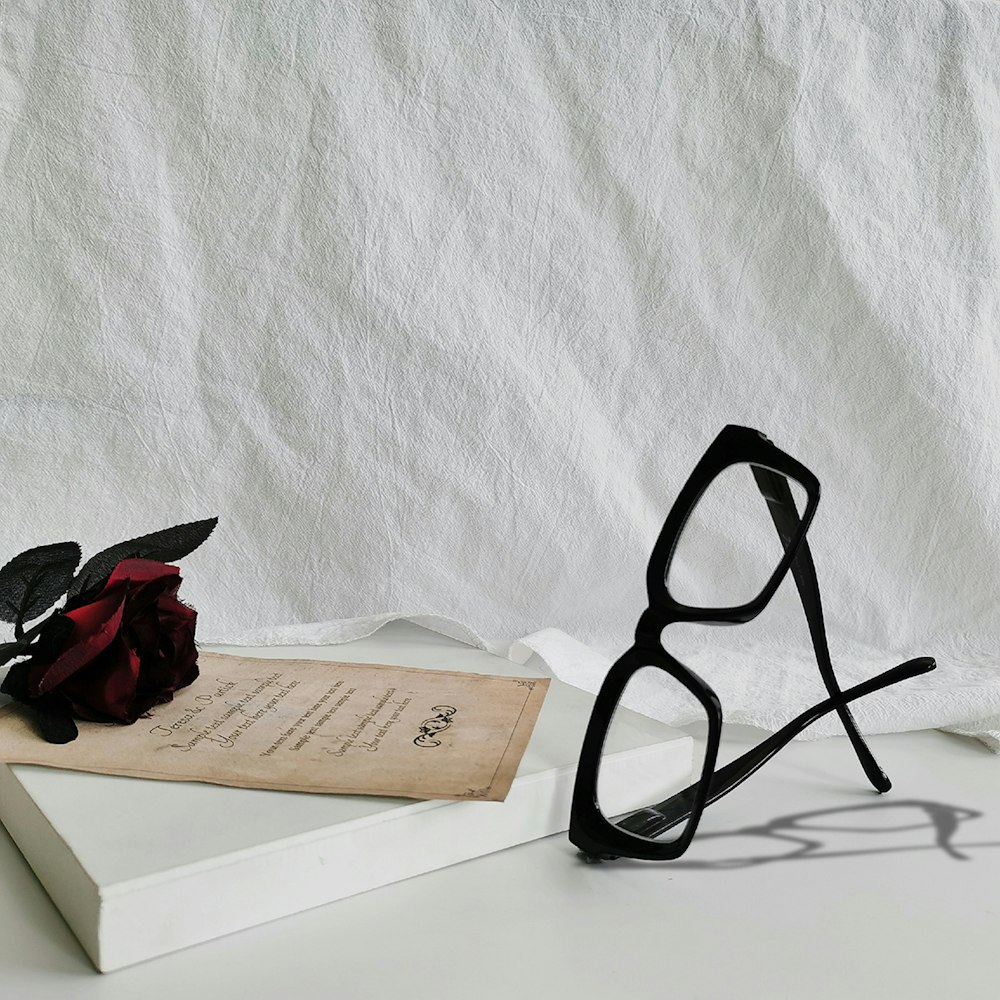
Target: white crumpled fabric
{"x":436,"y":306}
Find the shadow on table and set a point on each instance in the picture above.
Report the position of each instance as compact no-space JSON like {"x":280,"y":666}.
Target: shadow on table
{"x":814,"y":835}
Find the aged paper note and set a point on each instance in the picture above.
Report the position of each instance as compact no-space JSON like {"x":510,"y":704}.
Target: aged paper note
{"x":312,"y":726}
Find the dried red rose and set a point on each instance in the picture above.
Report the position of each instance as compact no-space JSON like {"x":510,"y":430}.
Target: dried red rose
{"x":130,"y":647}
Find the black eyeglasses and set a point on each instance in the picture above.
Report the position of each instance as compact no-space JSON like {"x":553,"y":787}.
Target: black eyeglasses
{"x":600,"y":825}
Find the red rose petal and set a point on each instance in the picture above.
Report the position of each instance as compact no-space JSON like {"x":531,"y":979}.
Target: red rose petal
{"x":107,"y":689}
{"x":146,"y":581}
{"x":90,"y":618}
{"x":120,"y":683}
{"x":141,"y":571}
{"x":102,"y":620}
{"x":130,"y":648}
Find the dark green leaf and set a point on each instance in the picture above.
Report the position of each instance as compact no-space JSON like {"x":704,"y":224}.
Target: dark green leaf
{"x":52,"y":636}
{"x":34,"y":580}
{"x":166,"y":546}
{"x":53,"y":631}
{"x":9,"y":650}
{"x":16,"y":682}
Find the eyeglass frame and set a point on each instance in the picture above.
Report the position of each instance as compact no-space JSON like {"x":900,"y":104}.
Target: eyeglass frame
{"x":595,"y":835}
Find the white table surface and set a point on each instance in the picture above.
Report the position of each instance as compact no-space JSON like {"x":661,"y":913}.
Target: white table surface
{"x":872,"y":913}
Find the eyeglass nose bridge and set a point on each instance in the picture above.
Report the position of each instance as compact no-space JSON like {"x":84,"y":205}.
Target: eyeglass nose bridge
{"x":648,"y":629}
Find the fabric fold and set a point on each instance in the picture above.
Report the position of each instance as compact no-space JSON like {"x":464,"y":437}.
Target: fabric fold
{"x":941,"y":699}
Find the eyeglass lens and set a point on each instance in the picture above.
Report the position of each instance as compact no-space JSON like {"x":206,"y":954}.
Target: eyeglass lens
{"x":632,"y":777}
{"x":728,"y":548}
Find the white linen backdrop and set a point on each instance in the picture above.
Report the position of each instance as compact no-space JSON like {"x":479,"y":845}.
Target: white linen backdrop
{"x":436,"y":305}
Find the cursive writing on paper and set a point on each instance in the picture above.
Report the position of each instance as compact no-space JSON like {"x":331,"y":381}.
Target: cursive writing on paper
{"x":312,"y":726}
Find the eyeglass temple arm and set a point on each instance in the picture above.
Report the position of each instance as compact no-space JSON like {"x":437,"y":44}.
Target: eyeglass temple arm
{"x":654,"y":820}
{"x":781,"y":505}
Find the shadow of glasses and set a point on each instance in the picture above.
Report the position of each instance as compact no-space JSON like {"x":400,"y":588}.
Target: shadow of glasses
{"x":808,"y":835}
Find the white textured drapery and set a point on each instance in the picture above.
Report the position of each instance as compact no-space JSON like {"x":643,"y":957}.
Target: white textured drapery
{"x":435,"y":305}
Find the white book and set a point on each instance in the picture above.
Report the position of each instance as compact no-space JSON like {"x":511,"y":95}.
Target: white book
{"x":140,"y":868}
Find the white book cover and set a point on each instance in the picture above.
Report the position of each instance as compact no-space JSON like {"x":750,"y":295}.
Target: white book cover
{"x":140,"y":868}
